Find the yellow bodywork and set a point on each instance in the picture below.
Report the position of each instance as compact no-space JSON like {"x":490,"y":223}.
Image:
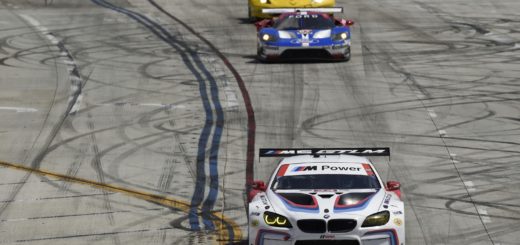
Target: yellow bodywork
{"x":256,"y":6}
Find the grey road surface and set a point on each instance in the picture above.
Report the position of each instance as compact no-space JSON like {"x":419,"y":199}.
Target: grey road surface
{"x":122,"y":121}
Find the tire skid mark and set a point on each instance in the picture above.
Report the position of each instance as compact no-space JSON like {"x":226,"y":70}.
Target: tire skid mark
{"x":54,"y":198}
{"x":251,"y":123}
{"x":156,"y":199}
{"x":76,"y":215}
{"x":493,"y":48}
{"x":111,"y":234}
{"x":163,"y":34}
{"x":97,"y":166}
{"x":35,"y":163}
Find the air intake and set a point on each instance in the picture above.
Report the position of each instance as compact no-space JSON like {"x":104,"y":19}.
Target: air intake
{"x":312,"y":225}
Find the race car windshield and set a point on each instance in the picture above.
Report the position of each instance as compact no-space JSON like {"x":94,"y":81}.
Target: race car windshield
{"x":304,"y":22}
{"x":326,"y":181}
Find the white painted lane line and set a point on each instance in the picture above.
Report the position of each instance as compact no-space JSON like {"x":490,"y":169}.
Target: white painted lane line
{"x":30,"y":19}
{"x":470,"y":186}
{"x":18,"y":109}
{"x":432,"y":113}
{"x":442,"y":133}
{"x":231,"y":98}
{"x":484,"y":214}
{"x":40,"y":28}
{"x":69,"y":62}
{"x":77,"y":105}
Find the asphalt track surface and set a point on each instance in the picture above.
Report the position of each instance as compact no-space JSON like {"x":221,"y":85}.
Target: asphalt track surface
{"x":137,"y":121}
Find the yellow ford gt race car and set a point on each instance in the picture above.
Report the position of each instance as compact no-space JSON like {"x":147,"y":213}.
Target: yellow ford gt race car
{"x":256,"y":6}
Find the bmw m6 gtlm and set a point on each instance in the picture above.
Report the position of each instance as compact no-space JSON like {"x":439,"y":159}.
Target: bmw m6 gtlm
{"x":312,"y":34}
{"x":322,"y":196}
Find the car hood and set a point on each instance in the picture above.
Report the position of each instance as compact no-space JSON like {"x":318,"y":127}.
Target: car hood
{"x":322,"y":204}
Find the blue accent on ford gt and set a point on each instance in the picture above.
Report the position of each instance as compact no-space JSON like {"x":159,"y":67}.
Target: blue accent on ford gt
{"x":301,"y":31}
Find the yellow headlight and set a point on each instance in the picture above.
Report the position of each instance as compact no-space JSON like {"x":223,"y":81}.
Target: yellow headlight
{"x":277,"y":220}
{"x":266,"y":37}
{"x":263,"y":1}
{"x":377,"y":219}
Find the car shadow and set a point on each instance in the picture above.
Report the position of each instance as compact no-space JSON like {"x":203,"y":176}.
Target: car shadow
{"x":244,"y":21}
{"x":253,"y":59}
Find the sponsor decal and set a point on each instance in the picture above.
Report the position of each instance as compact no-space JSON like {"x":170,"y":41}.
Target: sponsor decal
{"x":264,"y":200}
{"x":340,"y":168}
{"x":383,"y":151}
{"x":328,"y":237}
{"x":254,"y":223}
{"x":287,"y":152}
{"x":387,"y":199}
{"x":398,"y":221}
{"x":354,"y":151}
{"x":397,"y":212}
{"x":325,"y":167}
{"x":303,"y":16}
{"x":255,"y":213}
{"x":305,"y":168}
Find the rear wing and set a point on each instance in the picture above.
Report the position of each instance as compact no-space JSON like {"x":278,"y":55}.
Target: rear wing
{"x":287,"y":152}
{"x":291,"y":10}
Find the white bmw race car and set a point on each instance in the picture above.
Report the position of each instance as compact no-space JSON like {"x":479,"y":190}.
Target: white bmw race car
{"x":326,"y":196}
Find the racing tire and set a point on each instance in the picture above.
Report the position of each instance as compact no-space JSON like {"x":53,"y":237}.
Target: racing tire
{"x":347,"y":55}
{"x":259,"y":55}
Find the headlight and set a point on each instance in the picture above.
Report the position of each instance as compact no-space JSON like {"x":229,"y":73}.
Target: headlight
{"x":377,"y":219}
{"x":317,"y":1}
{"x":322,"y":34}
{"x":264,"y":1}
{"x":340,"y":36}
{"x":266,"y":37}
{"x":286,"y":34}
{"x":276,"y":220}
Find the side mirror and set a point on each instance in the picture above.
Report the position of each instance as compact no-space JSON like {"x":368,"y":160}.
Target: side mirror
{"x":259,"y":185}
{"x":258,"y":25}
{"x":343,"y":22}
{"x":263,"y":23}
{"x":393,"y":185}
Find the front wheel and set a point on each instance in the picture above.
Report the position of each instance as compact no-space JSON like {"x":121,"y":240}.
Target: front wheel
{"x":346,"y":56}
{"x":260,"y":55}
